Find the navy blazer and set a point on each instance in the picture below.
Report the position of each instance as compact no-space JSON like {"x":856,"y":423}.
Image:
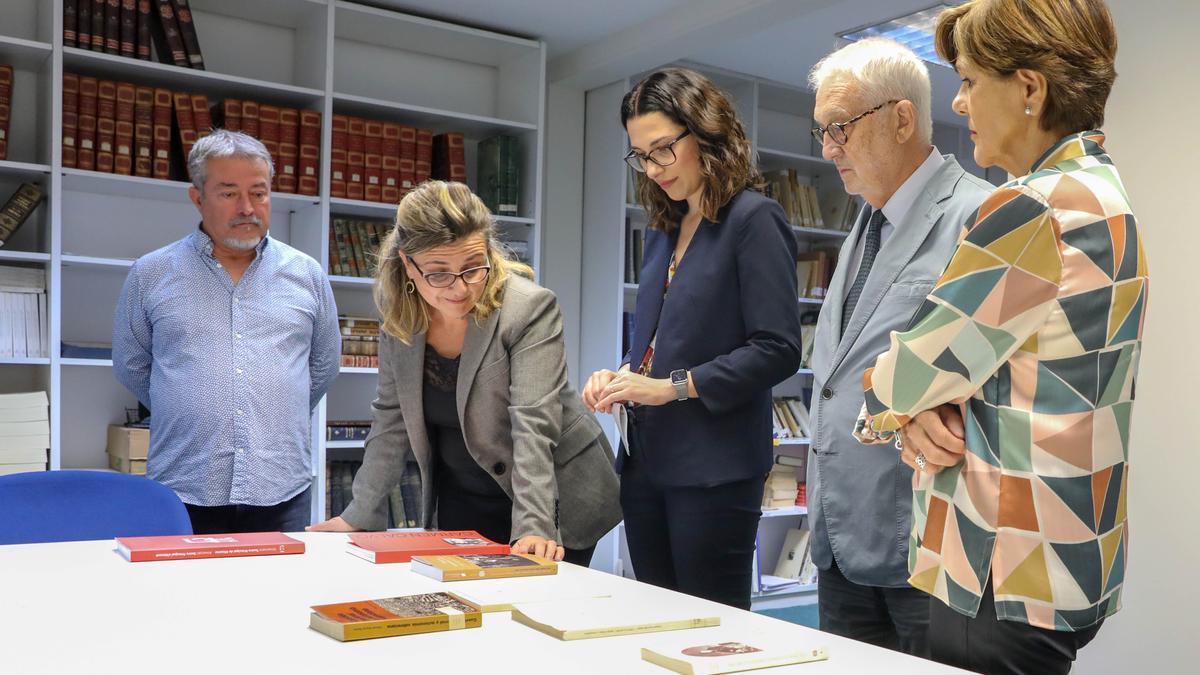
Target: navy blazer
{"x":732,"y":319}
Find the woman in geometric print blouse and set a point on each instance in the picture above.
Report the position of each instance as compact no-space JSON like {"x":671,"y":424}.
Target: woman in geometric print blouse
{"x":1034,"y":333}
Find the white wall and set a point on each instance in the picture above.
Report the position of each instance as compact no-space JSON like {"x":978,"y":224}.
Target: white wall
{"x":1151,"y":126}
{"x":562,"y":215}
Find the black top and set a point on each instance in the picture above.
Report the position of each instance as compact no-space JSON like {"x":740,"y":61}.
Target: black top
{"x":455,"y":470}
{"x":731,"y":317}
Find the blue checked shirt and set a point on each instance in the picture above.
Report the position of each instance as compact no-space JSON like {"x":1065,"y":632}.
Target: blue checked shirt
{"x":230,"y":373}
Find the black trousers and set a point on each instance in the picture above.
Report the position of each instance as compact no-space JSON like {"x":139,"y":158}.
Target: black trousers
{"x":988,"y":645}
{"x":893,"y":618}
{"x":292,"y":515}
{"x":696,"y":540}
{"x":490,"y":517}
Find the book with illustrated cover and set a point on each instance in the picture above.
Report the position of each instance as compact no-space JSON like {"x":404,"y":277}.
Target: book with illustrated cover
{"x":385,"y":617}
{"x":603,"y":617}
{"x":692,"y":657}
{"x":394,"y":547}
{"x":191,"y":547}
{"x":482,"y":566}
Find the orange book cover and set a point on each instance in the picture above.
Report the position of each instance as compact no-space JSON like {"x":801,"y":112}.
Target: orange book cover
{"x":394,"y":547}
{"x":194,"y":546}
{"x":385,"y":617}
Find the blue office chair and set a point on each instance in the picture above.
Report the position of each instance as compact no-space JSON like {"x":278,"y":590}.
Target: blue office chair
{"x":44,"y":506}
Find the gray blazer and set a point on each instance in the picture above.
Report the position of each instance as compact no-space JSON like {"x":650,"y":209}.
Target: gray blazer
{"x":860,"y":496}
{"x":522,"y":422}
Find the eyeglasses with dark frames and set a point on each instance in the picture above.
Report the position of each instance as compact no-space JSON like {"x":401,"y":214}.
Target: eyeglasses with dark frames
{"x":663,"y":155}
{"x":472,"y":276}
{"x":837,"y":130}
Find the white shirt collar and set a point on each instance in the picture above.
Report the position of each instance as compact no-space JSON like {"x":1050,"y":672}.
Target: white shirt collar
{"x":896,"y":209}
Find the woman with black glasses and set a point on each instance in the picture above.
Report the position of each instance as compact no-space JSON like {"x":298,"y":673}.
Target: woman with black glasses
{"x":473,"y":386}
{"x":716,"y":326}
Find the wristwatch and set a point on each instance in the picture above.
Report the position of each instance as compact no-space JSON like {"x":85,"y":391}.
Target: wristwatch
{"x":679,"y":380}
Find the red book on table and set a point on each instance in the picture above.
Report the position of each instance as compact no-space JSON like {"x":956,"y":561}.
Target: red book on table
{"x":194,"y":546}
{"x":395,"y":547}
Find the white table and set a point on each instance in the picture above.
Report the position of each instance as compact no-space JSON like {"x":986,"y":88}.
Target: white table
{"x":79,"y":607}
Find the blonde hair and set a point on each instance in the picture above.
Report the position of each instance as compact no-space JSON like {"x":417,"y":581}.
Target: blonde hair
{"x":436,"y":213}
{"x":1072,"y":43}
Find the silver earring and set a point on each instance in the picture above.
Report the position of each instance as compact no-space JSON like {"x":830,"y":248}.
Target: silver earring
{"x":1028,"y":110}
{"x":410,"y":287}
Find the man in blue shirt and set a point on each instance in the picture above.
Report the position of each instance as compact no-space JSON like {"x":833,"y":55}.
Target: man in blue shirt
{"x":230,"y":338}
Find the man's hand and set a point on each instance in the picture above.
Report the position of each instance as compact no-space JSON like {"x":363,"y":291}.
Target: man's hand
{"x":937,"y":435}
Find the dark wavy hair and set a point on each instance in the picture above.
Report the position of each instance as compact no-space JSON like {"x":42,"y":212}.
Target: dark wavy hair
{"x":726,"y":158}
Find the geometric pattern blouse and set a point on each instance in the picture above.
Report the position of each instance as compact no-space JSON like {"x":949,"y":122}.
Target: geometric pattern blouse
{"x":1035,"y":330}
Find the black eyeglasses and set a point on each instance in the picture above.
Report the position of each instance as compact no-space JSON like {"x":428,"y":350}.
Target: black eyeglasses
{"x":474,"y":275}
{"x":663,"y":155}
{"x":837,"y":130}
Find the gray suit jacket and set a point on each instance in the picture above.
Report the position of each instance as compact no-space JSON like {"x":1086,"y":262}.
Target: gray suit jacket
{"x":522,"y":422}
{"x":860,"y":496}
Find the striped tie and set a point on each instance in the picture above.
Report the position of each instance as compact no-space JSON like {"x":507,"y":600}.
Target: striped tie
{"x":870,"y":248}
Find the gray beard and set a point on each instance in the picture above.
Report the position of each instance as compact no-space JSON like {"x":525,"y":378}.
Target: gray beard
{"x":241,"y":244}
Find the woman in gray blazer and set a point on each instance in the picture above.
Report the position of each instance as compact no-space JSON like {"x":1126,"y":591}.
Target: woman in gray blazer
{"x":473,"y":385}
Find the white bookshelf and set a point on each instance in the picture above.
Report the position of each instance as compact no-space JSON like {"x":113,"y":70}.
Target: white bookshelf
{"x":777,"y":118}
{"x":328,"y":56}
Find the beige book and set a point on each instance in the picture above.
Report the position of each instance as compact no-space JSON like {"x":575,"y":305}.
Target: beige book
{"x":22,"y":455}
{"x":6,"y":469}
{"x":32,"y":413}
{"x":30,"y":428}
{"x":713,"y":657}
{"x":482,"y":566}
{"x":602,"y":617}
{"x":30,"y":442}
{"x":24,"y":400}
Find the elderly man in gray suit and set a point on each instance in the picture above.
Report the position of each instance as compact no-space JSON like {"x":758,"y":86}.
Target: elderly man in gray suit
{"x":872,"y":117}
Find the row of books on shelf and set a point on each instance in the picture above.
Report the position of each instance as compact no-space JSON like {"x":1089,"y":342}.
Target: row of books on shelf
{"x":802,"y":204}
{"x":23,"y":325}
{"x":353,"y":246}
{"x":635,"y":242}
{"x":782,"y":487}
{"x":24,"y":432}
{"x":360,"y":341}
{"x":790,"y":417}
{"x":347,"y":430}
{"x":404,"y":501}
{"x":794,"y":567}
{"x":128,"y":129}
{"x":6,"y":91}
{"x":129,"y":27}
{"x":814,"y":272}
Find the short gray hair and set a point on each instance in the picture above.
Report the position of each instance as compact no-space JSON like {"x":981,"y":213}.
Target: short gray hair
{"x":223,"y":143}
{"x":886,"y":70}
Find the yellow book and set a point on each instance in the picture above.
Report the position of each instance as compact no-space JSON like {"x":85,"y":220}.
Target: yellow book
{"x":482,"y":566}
{"x":602,"y":617}
{"x":404,"y":615}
